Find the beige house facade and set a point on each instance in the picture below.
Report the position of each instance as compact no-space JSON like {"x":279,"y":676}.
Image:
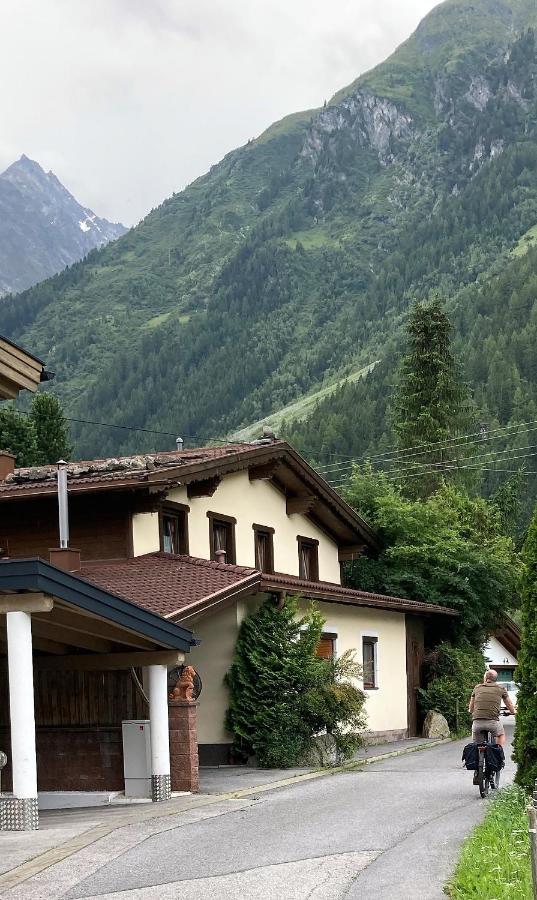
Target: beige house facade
{"x":202,"y":537}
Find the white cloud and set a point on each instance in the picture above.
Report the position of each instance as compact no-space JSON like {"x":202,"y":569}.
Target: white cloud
{"x":129,"y":100}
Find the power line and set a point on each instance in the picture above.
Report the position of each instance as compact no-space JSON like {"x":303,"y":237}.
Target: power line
{"x":173,"y":434}
{"x":441,"y":463}
{"x":396,"y":455}
{"x":447,"y":467}
{"x":445,"y":443}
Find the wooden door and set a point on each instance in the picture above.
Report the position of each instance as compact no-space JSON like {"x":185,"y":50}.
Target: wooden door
{"x":414,"y":668}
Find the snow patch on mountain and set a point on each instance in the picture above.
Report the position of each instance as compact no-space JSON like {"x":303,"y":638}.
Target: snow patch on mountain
{"x":43,"y":228}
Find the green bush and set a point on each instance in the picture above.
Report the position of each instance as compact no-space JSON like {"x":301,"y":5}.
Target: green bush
{"x":452,"y":673}
{"x":526,"y":723}
{"x":336,"y":705}
{"x":282,"y":694}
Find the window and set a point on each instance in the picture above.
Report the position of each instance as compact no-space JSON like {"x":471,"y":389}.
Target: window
{"x":369,"y":662}
{"x":222,"y":537}
{"x":173,"y":522}
{"x":326,"y":648}
{"x":308,"y":559}
{"x":264,"y":548}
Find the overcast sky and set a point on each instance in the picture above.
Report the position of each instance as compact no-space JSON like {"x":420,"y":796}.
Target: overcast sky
{"x":130,"y":100}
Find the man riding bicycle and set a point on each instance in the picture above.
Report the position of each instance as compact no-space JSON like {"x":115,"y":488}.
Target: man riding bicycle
{"x":485,"y":706}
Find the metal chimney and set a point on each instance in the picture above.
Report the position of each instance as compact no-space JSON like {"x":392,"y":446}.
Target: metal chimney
{"x":63,"y":507}
{"x":179,"y":443}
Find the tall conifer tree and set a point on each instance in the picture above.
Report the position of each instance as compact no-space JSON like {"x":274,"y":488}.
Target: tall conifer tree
{"x":526,"y":725}
{"x":430,"y":406}
{"x":51,"y":429}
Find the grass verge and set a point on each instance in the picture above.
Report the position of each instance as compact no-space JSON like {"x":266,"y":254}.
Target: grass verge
{"x":495,"y":861}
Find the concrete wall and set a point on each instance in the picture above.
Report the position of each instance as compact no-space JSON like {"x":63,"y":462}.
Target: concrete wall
{"x":249,"y":502}
{"x":386,"y":706}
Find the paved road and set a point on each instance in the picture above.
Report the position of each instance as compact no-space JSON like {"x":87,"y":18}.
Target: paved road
{"x":391,"y":830}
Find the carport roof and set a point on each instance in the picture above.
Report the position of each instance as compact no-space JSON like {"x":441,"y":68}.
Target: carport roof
{"x":90,"y":599}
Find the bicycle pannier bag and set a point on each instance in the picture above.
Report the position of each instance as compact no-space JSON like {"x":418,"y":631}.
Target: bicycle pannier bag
{"x":470,"y":757}
{"x":495,"y":757}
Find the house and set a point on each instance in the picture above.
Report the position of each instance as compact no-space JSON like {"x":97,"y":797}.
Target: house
{"x":67,"y":653}
{"x":502,"y":649}
{"x":19,"y":370}
{"x":202,"y":536}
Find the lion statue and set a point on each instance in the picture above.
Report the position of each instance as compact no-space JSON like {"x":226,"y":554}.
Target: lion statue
{"x":184,"y":689}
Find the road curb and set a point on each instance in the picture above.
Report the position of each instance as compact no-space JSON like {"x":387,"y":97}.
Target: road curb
{"x":55,"y":855}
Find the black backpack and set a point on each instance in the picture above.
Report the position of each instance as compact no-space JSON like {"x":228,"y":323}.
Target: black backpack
{"x":470,"y":757}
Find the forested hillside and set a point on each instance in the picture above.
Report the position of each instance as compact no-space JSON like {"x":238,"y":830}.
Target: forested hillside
{"x":295,"y":259}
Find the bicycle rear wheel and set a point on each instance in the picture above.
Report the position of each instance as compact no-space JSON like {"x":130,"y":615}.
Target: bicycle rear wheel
{"x":482,"y":774}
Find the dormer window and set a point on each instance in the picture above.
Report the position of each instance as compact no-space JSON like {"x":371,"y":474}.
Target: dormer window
{"x":264,"y":548}
{"x":222,"y":537}
{"x":308,"y":559}
{"x":174,"y":528}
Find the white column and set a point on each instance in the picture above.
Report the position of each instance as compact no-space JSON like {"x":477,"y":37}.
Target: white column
{"x":21,"y":704}
{"x":160,"y":734}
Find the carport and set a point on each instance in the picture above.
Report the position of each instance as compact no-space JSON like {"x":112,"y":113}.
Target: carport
{"x":54,"y":623}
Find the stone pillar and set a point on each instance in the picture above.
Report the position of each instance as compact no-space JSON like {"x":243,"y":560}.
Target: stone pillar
{"x":184,"y":745}
{"x":19,"y":813}
{"x":160,"y":740}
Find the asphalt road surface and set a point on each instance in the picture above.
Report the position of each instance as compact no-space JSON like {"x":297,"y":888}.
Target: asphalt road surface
{"x":389,"y":831}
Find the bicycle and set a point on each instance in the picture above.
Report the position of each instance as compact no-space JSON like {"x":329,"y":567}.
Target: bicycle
{"x":486,"y":777}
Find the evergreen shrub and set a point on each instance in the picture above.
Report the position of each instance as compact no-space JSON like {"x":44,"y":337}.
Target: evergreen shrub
{"x":452,"y":673}
{"x":525,"y":753}
{"x":282,"y":694}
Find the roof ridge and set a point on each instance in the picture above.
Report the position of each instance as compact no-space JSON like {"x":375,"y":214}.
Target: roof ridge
{"x":199,"y":561}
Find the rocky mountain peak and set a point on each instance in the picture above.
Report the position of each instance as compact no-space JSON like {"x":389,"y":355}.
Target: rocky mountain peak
{"x":43,"y":228}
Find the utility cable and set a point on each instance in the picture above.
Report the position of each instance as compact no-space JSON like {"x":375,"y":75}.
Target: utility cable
{"x":448,"y":467}
{"x":447,"y":443}
{"x":395,"y":460}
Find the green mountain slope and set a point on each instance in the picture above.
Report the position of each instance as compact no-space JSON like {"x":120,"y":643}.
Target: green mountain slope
{"x":294,"y":259}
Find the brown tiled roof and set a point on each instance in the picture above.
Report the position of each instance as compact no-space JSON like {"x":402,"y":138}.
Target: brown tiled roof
{"x":131,"y":469}
{"x":335,"y":593}
{"x":174,"y":585}
{"x":294,"y":476}
{"x":165,"y":583}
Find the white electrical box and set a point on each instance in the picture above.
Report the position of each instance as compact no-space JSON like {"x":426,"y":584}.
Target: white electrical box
{"x":137,"y":757}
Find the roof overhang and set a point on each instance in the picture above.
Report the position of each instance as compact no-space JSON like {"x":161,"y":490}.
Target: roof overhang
{"x":510,"y":636}
{"x":333,"y":593}
{"x":19,"y":370}
{"x":86,"y":618}
{"x":274,"y":461}
{"x":221,"y":598}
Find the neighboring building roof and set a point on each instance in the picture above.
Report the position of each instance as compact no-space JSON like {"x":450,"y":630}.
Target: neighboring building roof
{"x":510,"y":636}
{"x":181,"y":586}
{"x":19,"y":370}
{"x":271,"y":459}
{"x":38,"y":575}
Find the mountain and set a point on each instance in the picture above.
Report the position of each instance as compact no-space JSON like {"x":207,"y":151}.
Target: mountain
{"x":43,"y":228}
{"x":294,"y":260}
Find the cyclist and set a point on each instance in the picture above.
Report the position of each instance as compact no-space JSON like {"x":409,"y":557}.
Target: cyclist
{"x":485,"y":706}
